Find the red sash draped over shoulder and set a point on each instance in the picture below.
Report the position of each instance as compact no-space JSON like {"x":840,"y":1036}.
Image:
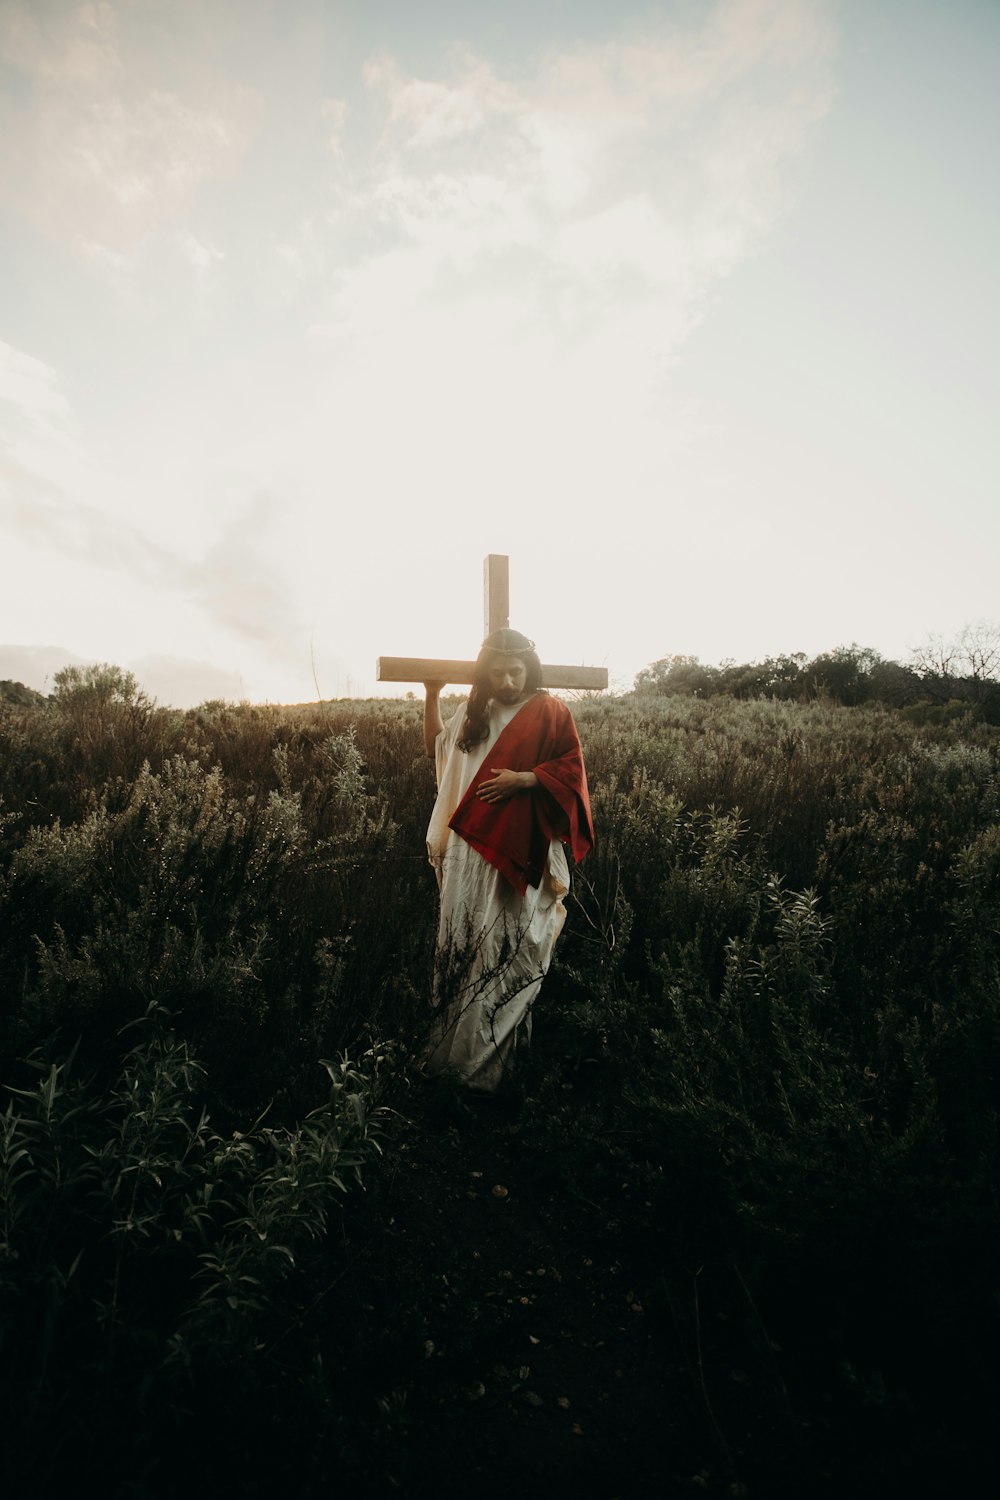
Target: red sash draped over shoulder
{"x":515,"y":835}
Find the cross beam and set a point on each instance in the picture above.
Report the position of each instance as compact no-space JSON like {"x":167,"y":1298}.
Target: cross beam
{"x":496,"y":608}
{"x":428,"y":669}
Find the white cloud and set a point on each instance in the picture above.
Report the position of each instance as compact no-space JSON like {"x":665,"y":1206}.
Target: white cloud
{"x":41,"y":447}
{"x":201,"y":257}
{"x":424,"y":114}
{"x":61,"y":502}
{"x":96,"y":148}
{"x":644,"y":168}
{"x":63,"y":43}
{"x":30,"y":386}
{"x":546,"y":243}
{"x":334,"y":113}
{"x":147,"y":152}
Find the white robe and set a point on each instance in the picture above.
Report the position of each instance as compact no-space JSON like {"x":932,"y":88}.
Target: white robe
{"x":493,"y":944}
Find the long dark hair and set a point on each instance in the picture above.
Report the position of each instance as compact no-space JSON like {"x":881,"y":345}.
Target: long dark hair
{"x":477,"y":710}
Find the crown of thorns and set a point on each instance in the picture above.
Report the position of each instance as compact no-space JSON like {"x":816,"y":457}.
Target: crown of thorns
{"x":508,"y":642}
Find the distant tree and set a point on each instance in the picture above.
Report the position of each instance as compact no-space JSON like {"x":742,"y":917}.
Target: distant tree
{"x":893,"y":684}
{"x":963,"y":671}
{"x":678,"y":676}
{"x":843,"y":674}
{"x":16,"y":692}
{"x":774,"y":677}
{"x":965,"y":668}
{"x":746,"y":679}
{"x":107,"y":714}
{"x":95,"y":686}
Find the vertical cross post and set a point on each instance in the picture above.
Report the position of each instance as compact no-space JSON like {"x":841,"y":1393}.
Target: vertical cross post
{"x":496,"y":592}
{"x":496,"y":615}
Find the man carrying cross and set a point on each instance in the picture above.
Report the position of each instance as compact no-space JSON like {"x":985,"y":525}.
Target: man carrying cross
{"x":512,"y":791}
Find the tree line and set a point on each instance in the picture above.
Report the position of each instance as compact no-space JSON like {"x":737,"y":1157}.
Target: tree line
{"x":944,"y":679}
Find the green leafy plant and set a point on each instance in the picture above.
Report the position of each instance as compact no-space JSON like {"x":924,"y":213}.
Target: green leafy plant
{"x":156,"y":1255}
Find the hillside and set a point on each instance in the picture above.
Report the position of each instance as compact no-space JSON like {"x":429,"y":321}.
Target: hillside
{"x":733,"y":1231}
{"x":16,"y":692}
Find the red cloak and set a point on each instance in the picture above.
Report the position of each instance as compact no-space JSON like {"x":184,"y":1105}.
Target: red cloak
{"x":515,"y":835}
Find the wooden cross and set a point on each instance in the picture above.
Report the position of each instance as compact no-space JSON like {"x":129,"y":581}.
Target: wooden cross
{"x":496,"y":610}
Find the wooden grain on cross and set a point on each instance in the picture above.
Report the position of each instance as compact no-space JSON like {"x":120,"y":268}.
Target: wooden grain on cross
{"x":496,"y":595}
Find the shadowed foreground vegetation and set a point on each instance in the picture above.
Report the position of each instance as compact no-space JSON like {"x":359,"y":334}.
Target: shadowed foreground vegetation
{"x":753,"y":1152}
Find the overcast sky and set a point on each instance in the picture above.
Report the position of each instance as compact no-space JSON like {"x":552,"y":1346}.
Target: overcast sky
{"x":307,"y":305}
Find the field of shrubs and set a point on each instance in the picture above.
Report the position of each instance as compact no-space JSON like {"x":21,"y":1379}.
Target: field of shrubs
{"x":763,"y":1074}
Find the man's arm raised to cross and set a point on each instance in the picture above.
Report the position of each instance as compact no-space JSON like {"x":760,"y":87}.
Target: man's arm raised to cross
{"x":433,"y":723}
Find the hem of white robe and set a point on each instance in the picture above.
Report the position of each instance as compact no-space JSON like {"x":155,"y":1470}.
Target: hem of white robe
{"x":487,"y":1059}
